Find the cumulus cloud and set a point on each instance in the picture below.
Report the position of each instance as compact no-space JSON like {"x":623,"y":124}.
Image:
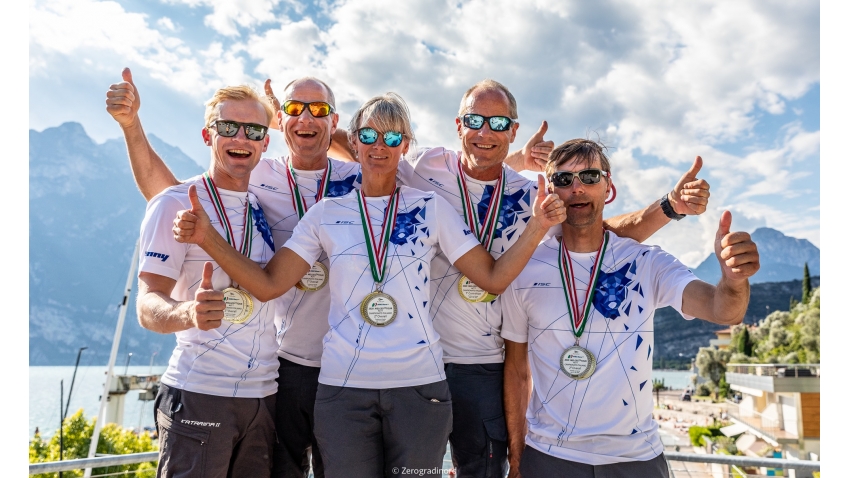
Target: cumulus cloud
{"x":228,"y":15}
{"x":659,"y":81}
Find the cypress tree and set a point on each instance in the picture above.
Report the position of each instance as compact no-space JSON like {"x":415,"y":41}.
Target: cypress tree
{"x":807,"y":284}
{"x":746,"y":343}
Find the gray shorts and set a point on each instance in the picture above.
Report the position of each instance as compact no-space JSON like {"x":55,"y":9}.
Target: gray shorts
{"x":536,"y":464}
{"x":385,"y":432}
{"x":210,"y":436}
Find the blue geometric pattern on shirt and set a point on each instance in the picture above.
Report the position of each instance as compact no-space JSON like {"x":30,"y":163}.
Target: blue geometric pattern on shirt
{"x":512,"y":206}
{"x":343,"y":187}
{"x":611,"y":291}
{"x":405,"y":226}
{"x":263,"y":226}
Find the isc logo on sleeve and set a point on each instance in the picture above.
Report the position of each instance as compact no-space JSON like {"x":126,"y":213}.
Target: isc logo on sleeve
{"x":158,"y":255}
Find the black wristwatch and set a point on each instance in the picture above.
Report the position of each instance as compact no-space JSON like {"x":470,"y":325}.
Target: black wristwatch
{"x":668,"y":209}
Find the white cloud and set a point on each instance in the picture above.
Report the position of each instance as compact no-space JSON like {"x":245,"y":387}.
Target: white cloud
{"x":228,"y":15}
{"x":167,"y":24}
{"x":660,"y":79}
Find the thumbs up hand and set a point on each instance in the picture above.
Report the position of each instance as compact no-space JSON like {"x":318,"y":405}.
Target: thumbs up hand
{"x":208,"y":307}
{"x":192,"y":226}
{"x":690,"y":195}
{"x":536,"y":151}
{"x":122,"y":100}
{"x":548,"y":209}
{"x":736,"y":251}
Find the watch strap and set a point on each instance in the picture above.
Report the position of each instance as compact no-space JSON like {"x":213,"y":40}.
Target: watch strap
{"x":668,"y":209}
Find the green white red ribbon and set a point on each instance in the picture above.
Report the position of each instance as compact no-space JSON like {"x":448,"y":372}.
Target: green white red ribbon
{"x":378,"y":250}
{"x":486,"y":232}
{"x":218,"y":204}
{"x":578,"y":318}
{"x":298,"y":201}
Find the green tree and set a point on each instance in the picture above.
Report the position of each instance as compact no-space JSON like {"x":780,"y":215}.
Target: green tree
{"x":711,"y":363}
{"x":658,"y":386}
{"x":742,"y":340}
{"x":77,"y":432}
{"x":807,"y":284}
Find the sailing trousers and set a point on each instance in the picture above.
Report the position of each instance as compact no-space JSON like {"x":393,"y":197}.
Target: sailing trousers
{"x":390,"y":432}
{"x":296,"y":445}
{"x":208,"y":436}
{"x":479,"y":433}
{"x":536,"y":464}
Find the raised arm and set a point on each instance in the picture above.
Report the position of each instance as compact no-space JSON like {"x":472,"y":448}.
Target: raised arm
{"x":516,"y":394}
{"x":726,"y":303}
{"x":149,"y":170}
{"x":283,"y":271}
{"x":495,"y":276}
{"x":158,"y":312}
{"x":689,"y":197}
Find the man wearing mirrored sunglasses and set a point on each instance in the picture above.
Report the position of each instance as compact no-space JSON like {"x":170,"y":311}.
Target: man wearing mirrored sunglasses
{"x":470,"y":330}
{"x":497,"y":201}
{"x":579,"y":318}
{"x":215,"y":407}
{"x":286,"y":187}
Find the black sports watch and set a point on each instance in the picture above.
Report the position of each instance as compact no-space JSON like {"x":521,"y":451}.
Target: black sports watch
{"x":668,"y":209}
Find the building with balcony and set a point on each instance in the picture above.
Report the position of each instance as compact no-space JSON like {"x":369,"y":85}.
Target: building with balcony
{"x":724,"y":338}
{"x":780,"y":404}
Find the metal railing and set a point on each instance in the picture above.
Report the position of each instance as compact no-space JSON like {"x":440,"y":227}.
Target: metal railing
{"x":776,"y":369}
{"x":738,"y":461}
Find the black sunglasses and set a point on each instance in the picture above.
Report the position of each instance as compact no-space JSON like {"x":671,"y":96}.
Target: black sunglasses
{"x":497,"y":123}
{"x":319,"y":109}
{"x":564,"y":179}
{"x":228,"y":129}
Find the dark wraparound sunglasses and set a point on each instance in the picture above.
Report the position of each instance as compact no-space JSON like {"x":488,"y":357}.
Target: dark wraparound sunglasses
{"x":369,"y":136}
{"x":497,"y":123}
{"x":564,"y":179}
{"x":319,"y":109}
{"x":228,"y":129}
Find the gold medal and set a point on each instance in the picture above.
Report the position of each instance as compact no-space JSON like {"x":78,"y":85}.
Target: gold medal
{"x":315,"y":279}
{"x":238,"y":305}
{"x":578,"y":362}
{"x":472,"y":293}
{"x":378,"y":309}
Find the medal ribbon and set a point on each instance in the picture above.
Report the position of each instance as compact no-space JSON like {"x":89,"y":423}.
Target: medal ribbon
{"x":485,"y":233}
{"x":298,"y":202}
{"x":378,"y":252}
{"x":578,"y":318}
{"x":248,"y":231}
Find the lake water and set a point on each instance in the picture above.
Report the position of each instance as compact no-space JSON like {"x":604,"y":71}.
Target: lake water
{"x":44,"y":394}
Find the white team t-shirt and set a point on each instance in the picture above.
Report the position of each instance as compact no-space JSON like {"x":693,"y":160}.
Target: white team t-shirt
{"x":407,"y":352}
{"x":233,"y":360}
{"x":299,"y":315}
{"x":470,"y":332}
{"x":606,"y":418}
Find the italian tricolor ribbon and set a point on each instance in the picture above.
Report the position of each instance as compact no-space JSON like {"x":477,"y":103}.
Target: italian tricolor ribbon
{"x":248,"y":230}
{"x":298,"y":201}
{"x":378,"y":250}
{"x":485,"y":232}
{"x":578,"y":318}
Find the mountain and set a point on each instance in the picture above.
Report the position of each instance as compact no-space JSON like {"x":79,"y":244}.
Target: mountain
{"x":85,"y":213}
{"x":674,"y":335}
{"x":782,"y":258}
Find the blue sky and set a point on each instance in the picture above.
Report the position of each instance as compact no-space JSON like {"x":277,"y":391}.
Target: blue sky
{"x":659,"y":81}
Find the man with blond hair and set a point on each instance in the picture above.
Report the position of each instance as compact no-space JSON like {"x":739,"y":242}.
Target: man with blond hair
{"x":215,"y":406}
{"x":287,"y":187}
{"x":487,"y":124}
